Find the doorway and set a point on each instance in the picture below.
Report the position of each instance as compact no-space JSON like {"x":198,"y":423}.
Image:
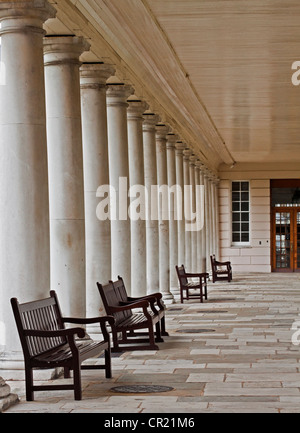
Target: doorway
{"x":285,"y":225}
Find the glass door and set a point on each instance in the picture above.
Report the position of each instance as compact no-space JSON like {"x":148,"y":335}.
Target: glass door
{"x":286,"y":239}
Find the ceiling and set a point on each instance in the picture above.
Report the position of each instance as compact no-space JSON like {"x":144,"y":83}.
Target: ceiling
{"x":218,"y":71}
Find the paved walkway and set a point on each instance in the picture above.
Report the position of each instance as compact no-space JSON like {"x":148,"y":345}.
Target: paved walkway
{"x":233,"y":353}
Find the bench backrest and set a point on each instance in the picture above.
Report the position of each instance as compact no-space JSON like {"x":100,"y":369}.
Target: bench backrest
{"x":181,"y":274}
{"x":112,"y":294}
{"x":41,"y":315}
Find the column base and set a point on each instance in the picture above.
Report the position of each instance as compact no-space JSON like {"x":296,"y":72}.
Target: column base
{"x":7,"y":399}
{"x":168,"y":298}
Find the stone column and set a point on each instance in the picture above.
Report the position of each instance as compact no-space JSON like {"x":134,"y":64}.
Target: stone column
{"x":93,"y":78}
{"x":150,"y":169}
{"x":200,"y":209}
{"x":117,"y":95}
{"x":163,"y":211}
{"x":64,"y":136}
{"x":201,"y":251}
{"x":187,"y":209}
{"x":193,"y":212}
{"x":217,"y":246}
{"x":207,"y":219}
{"x":24,"y":206}
{"x":173,"y":235}
{"x":180,"y":203}
{"x":135,"y":112}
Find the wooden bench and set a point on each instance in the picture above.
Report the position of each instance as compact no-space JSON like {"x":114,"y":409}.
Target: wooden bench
{"x":127,"y":320}
{"x":46,"y":343}
{"x":220,"y":270}
{"x":187,"y":287}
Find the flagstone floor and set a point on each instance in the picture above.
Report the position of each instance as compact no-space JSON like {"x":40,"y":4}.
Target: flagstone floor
{"x":236,"y":352}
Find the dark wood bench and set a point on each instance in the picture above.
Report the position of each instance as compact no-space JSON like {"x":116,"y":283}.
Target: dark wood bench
{"x":128,"y":320}
{"x":220,"y":270}
{"x":188,"y":287}
{"x":46,"y":343}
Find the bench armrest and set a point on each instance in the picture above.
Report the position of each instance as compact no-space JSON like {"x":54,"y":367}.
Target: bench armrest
{"x":155,"y":300}
{"x":222,"y":263}
{"x":194,"y":275}
{"x":102,"y":320}
{"x":71,"y":332}
{"x":129,"y":306}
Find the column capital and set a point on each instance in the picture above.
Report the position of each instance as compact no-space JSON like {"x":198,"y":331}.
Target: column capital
{"x":26,"y":15}
{"x":94,"y":75}
{"x":136,"y":109}
{"x":118,"y":93}
{"x":171,"y":140}
{"x":64,"y":49}
{"x":186,"y":154}
{"x":150,"y":120}
{"x":161,"y":131}
{"x":192,"y":159}
{"x":179,"y":146}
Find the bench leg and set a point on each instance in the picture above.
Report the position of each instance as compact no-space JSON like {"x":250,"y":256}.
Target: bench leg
{"x":29,"y":383}
{"x":163,"y":327}
{"x":107,"y":356}
{"x":66,"y":372}
{"x":77,"y":382}
{"x":158,"y":338}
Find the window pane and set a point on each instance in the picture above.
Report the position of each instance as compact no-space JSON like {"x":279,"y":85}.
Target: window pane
{"x":236,"y":206}
{"x":245,"y":237}
{"x":245,"y":186}
{"x":235,"y":196}
{"x":245,"y":206}
{"x":245,"y":196}
{"x":245,"y":227}
{"x":245,"y":216}
{"x":236,"y":227}
{"x":236,"y":237}
{"x":235,"y":186}
{"x":236,"y":216}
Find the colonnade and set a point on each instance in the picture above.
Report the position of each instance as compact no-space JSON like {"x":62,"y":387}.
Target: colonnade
{"x":65,"y":132}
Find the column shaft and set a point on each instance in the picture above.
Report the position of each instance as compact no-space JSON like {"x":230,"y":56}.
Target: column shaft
{"x":64,"y":135}
{"x":163,"y":210}
{"x":24,"y":208}
{"x":180,"y":204}
{"x":96,"y":174}
{"x":173,"y":235}
{"x":150,"y":169}
{"x":118,"y":168}
{"x":137,"y":201}
{"x":187,"y":210}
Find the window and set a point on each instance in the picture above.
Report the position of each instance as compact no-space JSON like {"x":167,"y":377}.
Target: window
{"x":240,"y":212}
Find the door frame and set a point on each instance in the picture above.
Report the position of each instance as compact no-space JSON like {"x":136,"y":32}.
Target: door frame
{"x":293,"y":210}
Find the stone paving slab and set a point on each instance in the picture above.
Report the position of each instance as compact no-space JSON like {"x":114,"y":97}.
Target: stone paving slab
{"x":245,"y":363}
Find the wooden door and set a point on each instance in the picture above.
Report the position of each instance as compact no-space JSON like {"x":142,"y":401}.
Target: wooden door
{"x":286,"y":239}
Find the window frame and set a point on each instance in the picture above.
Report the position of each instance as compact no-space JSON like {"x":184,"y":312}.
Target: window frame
{"x":240,"y":243}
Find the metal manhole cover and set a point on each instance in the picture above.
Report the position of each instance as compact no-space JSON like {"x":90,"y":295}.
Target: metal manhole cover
{"x":141,"y":388}
{"x":192,"y":331}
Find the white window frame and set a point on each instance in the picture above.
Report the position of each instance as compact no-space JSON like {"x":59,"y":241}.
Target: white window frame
{"x":240,"y":243}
